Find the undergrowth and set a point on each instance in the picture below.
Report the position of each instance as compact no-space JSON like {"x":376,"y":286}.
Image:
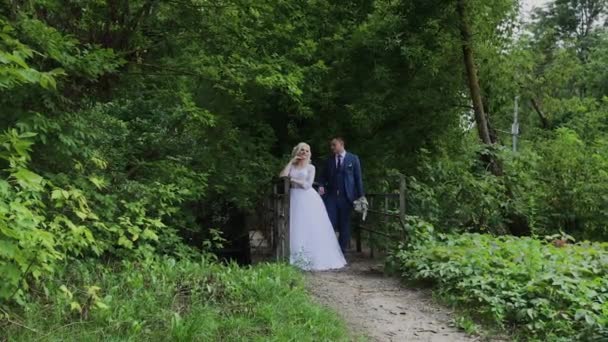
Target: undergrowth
{"x":169,"y":300}
{"x":531,"y":287}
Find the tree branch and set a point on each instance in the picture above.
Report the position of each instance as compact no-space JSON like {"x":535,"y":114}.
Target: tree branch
{"x":543,"y":118}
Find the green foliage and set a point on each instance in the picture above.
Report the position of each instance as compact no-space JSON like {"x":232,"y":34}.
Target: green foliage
{"x":14,"y":70}
{"x":130,"y":127}
{"x":42,"y":223}
{"x":32,"y":238}
{"x":458,"y":193}
{"x":156,"y":121}
{"x":571,"y":181}
{"x":164,"y":299}
{"x":556,"y":184}
{"x":543,"y":291}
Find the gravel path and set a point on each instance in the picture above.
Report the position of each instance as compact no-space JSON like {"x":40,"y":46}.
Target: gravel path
{"x":380,"y":308}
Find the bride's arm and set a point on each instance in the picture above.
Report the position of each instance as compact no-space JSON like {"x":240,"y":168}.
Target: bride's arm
{"x":286,"y":169}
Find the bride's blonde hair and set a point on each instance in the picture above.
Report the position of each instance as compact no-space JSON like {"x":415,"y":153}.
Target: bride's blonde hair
{"x":297,"y":150}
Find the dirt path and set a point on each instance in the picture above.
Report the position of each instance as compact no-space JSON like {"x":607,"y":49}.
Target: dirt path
{"x":379,"y":307}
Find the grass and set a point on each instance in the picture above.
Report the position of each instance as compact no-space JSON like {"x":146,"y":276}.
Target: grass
{"x":169,"y":300}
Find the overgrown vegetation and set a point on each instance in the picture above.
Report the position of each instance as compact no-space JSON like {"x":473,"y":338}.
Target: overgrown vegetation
{"x":133,"y":128}
{"x":542,"y":290}
{"x":557,"y":183}
{"x":166,"y":299}
{"x":553,"y":185}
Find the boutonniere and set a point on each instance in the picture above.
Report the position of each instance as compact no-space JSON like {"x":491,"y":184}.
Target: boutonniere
{"x":350,"y":165}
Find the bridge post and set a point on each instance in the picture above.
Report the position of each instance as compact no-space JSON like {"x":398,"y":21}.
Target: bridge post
{"x":402,"y":203}
{"x":276,"y":227}
{"x":284,"y":226}
{"x":281,"y":219}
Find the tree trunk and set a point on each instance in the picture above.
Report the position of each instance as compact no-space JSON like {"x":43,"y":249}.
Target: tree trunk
{"x":517,"y":223}
{"x":543,"y":118}
{"x":481,"y":119}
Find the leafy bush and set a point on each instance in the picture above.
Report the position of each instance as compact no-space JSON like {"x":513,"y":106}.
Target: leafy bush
{"x":42,"y":223}
{"x":543,"y":291}
{"x":167,"y":300}
{"x":33,"y":238}
{"x":572,"y":183}
{"x":557,"y":184}
{"x":458,"y":193}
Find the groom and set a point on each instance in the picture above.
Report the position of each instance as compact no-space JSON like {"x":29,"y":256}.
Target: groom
{"x":340,"y":185}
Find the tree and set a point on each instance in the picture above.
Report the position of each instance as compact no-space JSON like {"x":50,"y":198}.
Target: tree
{"x":481,"y":119}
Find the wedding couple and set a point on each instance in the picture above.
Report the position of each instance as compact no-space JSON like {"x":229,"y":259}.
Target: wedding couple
{"x":314,"y":216}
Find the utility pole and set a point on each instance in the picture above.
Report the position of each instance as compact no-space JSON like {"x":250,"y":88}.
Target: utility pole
{"x":515,"y":125}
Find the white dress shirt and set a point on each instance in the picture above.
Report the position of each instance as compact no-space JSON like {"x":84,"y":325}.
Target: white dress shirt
{"x":343,"y":154}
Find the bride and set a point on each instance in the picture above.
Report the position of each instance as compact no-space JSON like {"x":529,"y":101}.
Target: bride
{"x":313,"y":243}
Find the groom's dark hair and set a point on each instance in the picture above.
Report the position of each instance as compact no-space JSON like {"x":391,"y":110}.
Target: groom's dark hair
{"x":339,"y":138}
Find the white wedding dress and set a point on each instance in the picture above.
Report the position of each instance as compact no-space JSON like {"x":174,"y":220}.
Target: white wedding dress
{"x":313,"y":243}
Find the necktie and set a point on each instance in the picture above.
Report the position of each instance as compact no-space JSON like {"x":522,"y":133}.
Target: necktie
{"x":339,"y":161}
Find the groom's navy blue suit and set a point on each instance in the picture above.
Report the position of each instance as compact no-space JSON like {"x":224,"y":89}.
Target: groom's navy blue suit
{"x":343,"y":185}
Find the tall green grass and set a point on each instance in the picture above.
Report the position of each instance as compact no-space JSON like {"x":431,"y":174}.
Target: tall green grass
{"x":169,"y":300}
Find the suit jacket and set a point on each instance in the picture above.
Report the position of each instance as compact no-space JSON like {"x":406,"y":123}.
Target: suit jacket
{"x":353,"y":180}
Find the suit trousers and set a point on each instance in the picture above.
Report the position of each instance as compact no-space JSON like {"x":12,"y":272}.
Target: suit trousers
{"x":339,"y":210}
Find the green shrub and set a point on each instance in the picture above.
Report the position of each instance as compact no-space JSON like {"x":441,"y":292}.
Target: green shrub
{"x":457,"y":192}
{"x":571,"y":186}
{"x":543,"y":291}
{"x":557,"y":184}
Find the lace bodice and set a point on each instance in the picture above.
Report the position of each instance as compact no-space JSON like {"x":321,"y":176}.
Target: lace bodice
{"x":302,"y":178}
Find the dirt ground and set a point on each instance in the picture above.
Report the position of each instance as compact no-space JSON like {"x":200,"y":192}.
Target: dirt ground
{"x":380,"y":308}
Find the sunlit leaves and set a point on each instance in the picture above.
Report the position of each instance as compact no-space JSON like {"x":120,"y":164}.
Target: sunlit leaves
{"x":125,"y":242}
{"x":99,"y":182}
{"x":15,"y":71}
{"x":28,"y":179}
